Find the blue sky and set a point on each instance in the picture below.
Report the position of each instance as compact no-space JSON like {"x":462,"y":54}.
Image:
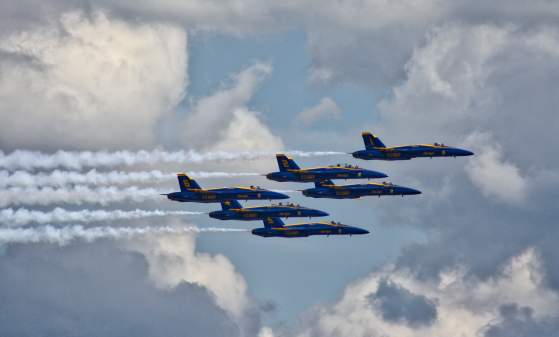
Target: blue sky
{"x":288,"y":91}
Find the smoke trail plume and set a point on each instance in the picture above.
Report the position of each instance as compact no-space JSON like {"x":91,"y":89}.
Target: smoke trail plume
{"x":24,"y":216}
{"x":75,"y":195}
{"x":59,"y":178}
{"x":23,"y":159}
{"x":65,"y":235}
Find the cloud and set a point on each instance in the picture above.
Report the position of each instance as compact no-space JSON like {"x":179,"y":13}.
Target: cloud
{"x":397,"y":304}
{"x":485,"y":83}
{"x":99,"y":289}
{"x":464,"y":306}
{"x":459,"y":68}
{"x":248,"y":133}
{"x":464,"y":86}
{"x":325,"y":109}
{"x":515,"y":321}
{"x":233,"y":126}
{"x":89,"y":82}
{"x":173,"y":259}
{"x":491,"y":174}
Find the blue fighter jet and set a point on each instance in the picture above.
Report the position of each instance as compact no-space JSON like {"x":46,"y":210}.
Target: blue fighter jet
{"x":290,"y":171}
{"x":190,"y":191}
{"x":232,"y":210}
{"x":327,"y":189}
{"x":375,"y":149}
{"x":274,"y":227}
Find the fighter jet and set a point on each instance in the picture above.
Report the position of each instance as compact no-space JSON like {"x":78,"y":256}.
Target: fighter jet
{"x":190,"y":191}
{"x":290,"y":171}
{"x":274,"y":227}
{"x":327,"y":189}
{"x":375,"y":149}
{"x":232,"y":210}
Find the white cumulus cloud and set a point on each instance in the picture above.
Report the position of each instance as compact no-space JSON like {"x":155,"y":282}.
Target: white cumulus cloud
{"x":492,"y":174}
{"x":464,"y":307}
{"x":89,"y":82}
{"x":222,"y":121}
{"x":173,"y":259}
{"x":327,"y":108}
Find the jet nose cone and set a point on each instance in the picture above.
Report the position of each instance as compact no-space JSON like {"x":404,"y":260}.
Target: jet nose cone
{"x":278,"y":195}
{"x":461,"y":152}
{"x":321,"y":213}
{"x":359,"y":231}
{"x":272,"y":176}
{"x":381,"y":175}
{"x":414,"y":191}
{"x":408,"y":191}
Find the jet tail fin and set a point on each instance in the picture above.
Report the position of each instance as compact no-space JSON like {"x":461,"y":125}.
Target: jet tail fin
{"x":285,"y":163}
{"x":371,"y":141}
{"x":228,"y":204}
{"x":320,"y":183}
{"x":185,"y":183}
{"x":273,"y":222}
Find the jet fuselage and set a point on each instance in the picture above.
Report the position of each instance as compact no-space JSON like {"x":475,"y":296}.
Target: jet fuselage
{"x":227,"y":193}
{"x":357,"y":191}
{"x":262,"y":212}
{"x":328,"y":172}
{"x":407,"y":152}
{"x":308,"y":229}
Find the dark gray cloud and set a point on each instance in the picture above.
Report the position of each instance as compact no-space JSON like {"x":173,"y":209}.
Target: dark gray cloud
{"x":518,"y":321}
{"x":98,"y":290}
{"x":397,"y":304}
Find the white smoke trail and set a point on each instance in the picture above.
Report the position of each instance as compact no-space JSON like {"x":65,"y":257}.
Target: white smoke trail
{"x":59,"y":178}
{"x":23,"y":159}
{"x":75,"y":195}
{"x":284,"y":191}
{"x":65,"y":235}
{"x":24,"y":216}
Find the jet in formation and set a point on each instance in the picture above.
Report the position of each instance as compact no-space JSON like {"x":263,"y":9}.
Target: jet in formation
{"x":290,"y":171}
{"x":190,"y":191}
{"x":233,"y":210}
{"x":274,"y":227}
{"x":327,"y":189}
{"x":376,"y":150}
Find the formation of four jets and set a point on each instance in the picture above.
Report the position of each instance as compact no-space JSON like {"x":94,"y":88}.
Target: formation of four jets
{"x":322,"y":177}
